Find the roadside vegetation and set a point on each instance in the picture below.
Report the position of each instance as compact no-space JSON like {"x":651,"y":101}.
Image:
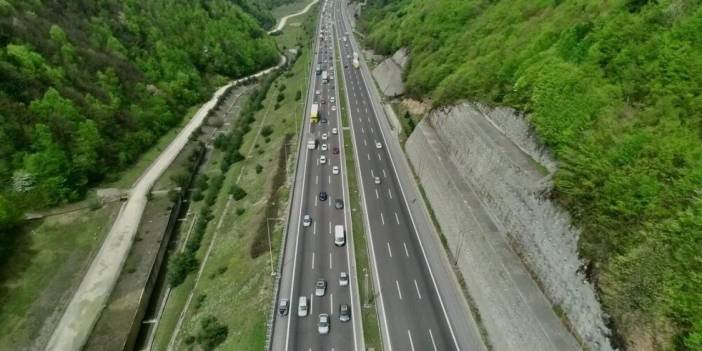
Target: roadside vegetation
{"x":613,"y":88}
{"x":232,"y":300}
{"x":86,"y":88}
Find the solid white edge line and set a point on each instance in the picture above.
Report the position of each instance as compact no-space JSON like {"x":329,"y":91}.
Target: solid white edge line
{"x":374,"y":267}
{"x":414,"y":225}
{"x":302,"y":197}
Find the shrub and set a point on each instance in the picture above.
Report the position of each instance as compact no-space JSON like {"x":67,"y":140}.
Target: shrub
{"x":266,"y":130}
{"x":259,"y":169}
{"x":212,"y":333}
{"x":240,"y":211}
{"x":179,"y":266}
{"x":298,"y":95}
{"x":237,"y":192}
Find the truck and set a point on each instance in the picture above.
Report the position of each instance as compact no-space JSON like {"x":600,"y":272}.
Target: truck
{"x":356,"y":63}
{"x":325,"y":76}
{"x":312,"y":143}
{"x":339,"y":235}
{"x":314,"y":113}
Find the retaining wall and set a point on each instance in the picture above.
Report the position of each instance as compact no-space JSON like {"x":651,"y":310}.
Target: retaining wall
{"x":484,"y":174}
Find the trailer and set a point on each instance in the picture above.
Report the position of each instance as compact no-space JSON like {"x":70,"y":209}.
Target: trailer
{"x":314,"y":113}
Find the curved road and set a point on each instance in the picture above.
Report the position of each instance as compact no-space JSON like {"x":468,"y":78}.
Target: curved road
{"x":82,"y":312}
{"x":283,"y":20}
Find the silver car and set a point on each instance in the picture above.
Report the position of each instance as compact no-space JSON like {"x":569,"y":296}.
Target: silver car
{"x":323,"y":325}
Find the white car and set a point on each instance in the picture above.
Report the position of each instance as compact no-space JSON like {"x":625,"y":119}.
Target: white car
{"x":306,"y":221}
{"x":317,"y":92}
{"x":323,"y":159}
{"x":335,"y":131}
{"x":324,"y":147}
{"x":335,"y":170}
{"x":333,"y":107}
{"x":332,"y":99}
{"x":320,"y":288}
{"x":377,"y":180}
{"x":323,"y":326}
{"x":343,"y":279}
{"x":302,"y":307}
{"x":378,"y":145}
{"x":324,"y":136}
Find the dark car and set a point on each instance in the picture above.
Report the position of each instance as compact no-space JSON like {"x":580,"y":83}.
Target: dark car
{"x":339,"y":204}
{"x":284,"y":307}
{"x":335,"y":150}
{"x":344,"y":313}
{"x":323,"y":120}
{"x":323,"y":196}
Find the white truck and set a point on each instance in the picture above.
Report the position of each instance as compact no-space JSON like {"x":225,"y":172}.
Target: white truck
{"x":339,"y":235}
{"x":325,"y":76}
{"x":312,"y":143}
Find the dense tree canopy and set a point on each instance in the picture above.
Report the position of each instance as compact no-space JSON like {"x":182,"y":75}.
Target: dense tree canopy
{"x":614,"y":87}
{"x":86,"y":86}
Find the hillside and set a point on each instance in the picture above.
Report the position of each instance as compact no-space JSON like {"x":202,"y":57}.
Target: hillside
{"x":86,"y":86}
{"x":613,"y":88}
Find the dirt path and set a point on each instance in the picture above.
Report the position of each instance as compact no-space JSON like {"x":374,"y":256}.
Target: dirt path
{"x":283,"y":20}
{"x":91,"y":296}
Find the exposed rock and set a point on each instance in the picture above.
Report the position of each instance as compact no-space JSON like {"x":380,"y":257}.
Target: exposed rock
{"x":484,"y":174}
{"x":388,"y":74}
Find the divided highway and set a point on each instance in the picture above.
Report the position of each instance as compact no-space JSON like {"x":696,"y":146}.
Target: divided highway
{"x":311,"y":254}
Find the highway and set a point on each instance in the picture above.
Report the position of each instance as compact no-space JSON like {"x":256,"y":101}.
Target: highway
{"x":414,"y":313}
{"x":310,"y":251}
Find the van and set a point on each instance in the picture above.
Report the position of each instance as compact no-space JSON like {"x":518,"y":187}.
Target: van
{"x":339,"y":235}
{"x":302,"y":307}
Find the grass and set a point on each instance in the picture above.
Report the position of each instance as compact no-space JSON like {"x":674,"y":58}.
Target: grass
{"x":40,"y":268}
{"x":293,"y":7}
{"x":239,"y":288}
{"x":371,"y":327}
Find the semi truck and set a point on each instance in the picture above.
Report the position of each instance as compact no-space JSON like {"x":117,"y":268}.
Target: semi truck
{"x":314,"y":113}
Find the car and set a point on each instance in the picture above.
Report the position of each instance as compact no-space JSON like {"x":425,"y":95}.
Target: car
{"x":324,"y":147}
{"x":335,"y":150}
{"x":323,"y":325}
{"x":348,"y":56}
{"x":324,"y":136}
{"x":302,"y":307}
{"x":335,"y":170}
{"x":378,"y":145}
{"x":343,"y":279}
{"x":283,"y":307}
{"x":376,"y":180}
{"x":332,"y":99}
{"x":317,"y":92}
{"x":344,"y":313}
{"x":306,"y":221}
{"x":320,"y":288}
{"x":323,"y":121}
{"x":324,"y":101}
{"x":323,"y":159}
{"x":339,"y":204}
{"x":323,"y":196}
{"x":335,"y":131}
{"x":333,"y":108}
{"x":346,"y":66}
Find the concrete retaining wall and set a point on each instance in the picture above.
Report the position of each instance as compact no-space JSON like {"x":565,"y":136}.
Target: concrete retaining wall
{"x":480,"y":170}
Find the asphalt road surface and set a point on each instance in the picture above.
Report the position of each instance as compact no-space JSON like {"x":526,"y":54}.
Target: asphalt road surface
{"x":414,"y":313}
{"x":310,"y":252}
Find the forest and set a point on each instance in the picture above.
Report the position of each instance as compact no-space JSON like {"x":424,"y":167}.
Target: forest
{"x":87,"y":86}
{"x":613,"y":89}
